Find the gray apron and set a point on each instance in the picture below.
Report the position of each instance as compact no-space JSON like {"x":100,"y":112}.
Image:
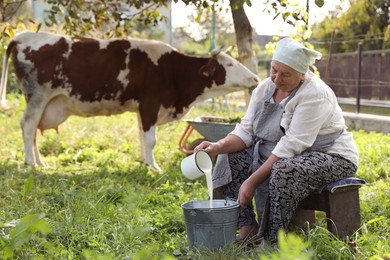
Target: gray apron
{"x":267,"y":133}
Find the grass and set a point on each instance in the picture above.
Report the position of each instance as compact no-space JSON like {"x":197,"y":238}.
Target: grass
{"x":96,"y":201}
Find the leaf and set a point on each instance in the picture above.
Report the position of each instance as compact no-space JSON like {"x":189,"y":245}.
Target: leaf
{"x":197,"y":19}
{"x":39,"y":27}
{"x":27,"y":226}
{"x":319,"y":3}
{"x":7,"y":253}
{"x":28,"y":186}
{"x":56,"y":9}
{"x":374,"y":220}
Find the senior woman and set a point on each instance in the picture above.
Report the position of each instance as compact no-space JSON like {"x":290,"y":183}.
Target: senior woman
{"x":291,"y":142}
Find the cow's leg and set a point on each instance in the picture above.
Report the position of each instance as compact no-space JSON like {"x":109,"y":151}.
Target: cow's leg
{"x":30,"y":120}
{"x":147,"y":142}
{"x":29,"y":129}
{"x":141,"y":139}
{"x":37,"y":155}
{"x":150,"y":140}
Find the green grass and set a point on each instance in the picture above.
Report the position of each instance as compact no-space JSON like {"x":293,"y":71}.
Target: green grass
{"x":96,"y":201}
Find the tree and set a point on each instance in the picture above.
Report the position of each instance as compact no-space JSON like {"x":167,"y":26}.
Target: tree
{"x":12,"y":13}
{"x":195,"y":38}
{"x":244,"y":34}
{"x":365,"y":21}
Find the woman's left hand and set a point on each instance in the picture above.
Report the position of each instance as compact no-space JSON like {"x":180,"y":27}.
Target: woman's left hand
{"x":248,"y":187}
{"x":246,"y":193}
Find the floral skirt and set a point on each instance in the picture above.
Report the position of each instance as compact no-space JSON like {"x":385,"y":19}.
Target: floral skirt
{"x":291,"y":181}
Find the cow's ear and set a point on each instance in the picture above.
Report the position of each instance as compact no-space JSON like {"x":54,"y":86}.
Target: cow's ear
{"x":207,"y":70}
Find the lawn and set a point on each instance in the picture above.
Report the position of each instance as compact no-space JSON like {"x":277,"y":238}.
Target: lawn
{"x":96,"y":201}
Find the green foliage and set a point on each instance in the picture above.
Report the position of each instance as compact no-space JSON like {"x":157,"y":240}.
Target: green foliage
{"x":109,"y":18}
{"x":291,"y":247}
{"x":105,"y":19}
{"x":365,"y":21}
{"x":375,"y":208}
{"x":13,"y":14}
{"x":374,"y":155}
{"x":326,"y":246}
{"x":24,"y":231}
{"x":28,"y":186}
{"x":292,"y":12}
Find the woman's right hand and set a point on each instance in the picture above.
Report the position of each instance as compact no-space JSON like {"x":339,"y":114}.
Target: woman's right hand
{"x":209,"y":147}
{"x":228,"y":144}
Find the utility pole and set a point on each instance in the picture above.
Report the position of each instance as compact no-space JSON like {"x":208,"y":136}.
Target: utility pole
{"x":359,"y":52}
{"x":307,"y":11}
{"x":213,"y":22}
{"x":170,"y":24}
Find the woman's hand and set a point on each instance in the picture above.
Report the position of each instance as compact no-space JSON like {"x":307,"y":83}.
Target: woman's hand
{"x":246,"y":193}
{"x":229,"y":144}
{"x":209,"y":147}
{"x":248,"y":187}
{"x":202,"y":146}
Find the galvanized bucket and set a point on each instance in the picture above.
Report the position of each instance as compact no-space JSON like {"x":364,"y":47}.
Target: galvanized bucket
{"x":211,"y":227}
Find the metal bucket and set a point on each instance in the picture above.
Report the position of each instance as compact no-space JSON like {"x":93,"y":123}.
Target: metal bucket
{"x":211,"y":227}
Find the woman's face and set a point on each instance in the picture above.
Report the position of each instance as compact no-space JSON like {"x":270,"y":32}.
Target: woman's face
{"x":284,"y":77}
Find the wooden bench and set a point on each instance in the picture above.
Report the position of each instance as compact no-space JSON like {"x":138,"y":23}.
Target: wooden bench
{"x":340,"y":202}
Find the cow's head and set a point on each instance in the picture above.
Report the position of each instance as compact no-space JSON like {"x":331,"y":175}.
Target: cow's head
{"x":228,"y":73}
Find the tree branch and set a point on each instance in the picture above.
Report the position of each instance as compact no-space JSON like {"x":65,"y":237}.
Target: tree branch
{"x":6,"y":7}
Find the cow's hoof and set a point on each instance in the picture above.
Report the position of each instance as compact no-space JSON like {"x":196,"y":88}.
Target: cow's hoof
{"x":44,"y":166}
{"x":156,"y":168}
{"x":37,"y":164}
{"x":6,"y":108}
{"x":153,"y":166}
{"x":30,"y":164}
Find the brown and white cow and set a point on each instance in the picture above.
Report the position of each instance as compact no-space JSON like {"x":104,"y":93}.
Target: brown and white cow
{"x":63,"y":76}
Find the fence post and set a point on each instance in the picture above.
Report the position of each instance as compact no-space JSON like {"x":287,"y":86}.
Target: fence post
{"x":359,"y":77}
{"x":328,"y":64}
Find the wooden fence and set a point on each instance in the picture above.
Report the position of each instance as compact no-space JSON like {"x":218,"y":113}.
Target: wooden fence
{"x":361,"y":76}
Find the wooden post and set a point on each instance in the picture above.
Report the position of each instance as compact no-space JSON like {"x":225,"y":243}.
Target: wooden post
{"x":359,"y":78}
{"x":328,"y":65}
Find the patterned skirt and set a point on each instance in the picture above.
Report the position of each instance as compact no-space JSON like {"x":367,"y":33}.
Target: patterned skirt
{"x":291,"y":181}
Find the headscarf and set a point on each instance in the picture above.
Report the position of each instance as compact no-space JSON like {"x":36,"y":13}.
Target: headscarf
{"x":295,"y":55}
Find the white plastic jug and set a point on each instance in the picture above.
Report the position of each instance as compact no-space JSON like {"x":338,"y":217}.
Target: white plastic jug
{"x":196,"y":165}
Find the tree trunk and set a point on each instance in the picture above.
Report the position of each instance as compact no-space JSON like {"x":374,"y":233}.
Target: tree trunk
{"x":243,"y":31}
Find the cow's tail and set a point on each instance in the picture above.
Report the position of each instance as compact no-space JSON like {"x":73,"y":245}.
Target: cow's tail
{"x":4,"y":76}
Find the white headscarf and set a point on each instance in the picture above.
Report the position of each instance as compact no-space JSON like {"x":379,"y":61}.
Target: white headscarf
{"x":295,"y":55}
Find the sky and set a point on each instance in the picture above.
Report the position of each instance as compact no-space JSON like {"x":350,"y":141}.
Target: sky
{"x":263,"y":24}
